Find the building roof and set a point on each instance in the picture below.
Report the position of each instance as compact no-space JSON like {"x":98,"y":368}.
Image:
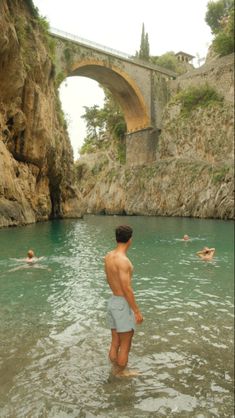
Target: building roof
{"x":185,"y":54}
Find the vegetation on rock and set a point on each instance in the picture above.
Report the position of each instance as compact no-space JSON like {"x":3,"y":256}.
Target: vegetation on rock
{"x":220,"y":18}
{"x":32,"y":8}
{"x":193,"y":97}
{"x":103,"y":122}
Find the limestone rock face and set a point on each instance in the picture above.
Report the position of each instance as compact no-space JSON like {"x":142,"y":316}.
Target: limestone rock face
{"x":36,"y":159}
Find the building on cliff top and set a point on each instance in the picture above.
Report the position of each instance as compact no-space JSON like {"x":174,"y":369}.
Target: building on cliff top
{"x":184,"y":57}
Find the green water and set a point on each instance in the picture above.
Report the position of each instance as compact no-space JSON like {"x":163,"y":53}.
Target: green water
{"x":53,"y":333}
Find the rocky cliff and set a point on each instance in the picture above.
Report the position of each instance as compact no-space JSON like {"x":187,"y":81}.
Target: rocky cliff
{"x":36,"y":158}
{"x":193,"y":172}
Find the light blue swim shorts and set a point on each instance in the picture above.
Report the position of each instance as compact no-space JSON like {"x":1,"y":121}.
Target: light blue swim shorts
{"x":120,"y":316}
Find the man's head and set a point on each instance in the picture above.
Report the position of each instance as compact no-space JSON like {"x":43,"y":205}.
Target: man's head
{"x":123,"y":233}
{"x":30,"y":254}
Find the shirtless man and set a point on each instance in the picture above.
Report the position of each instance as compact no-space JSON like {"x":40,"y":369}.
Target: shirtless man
{"x":123,"y":312}
{"x":206,"y":254}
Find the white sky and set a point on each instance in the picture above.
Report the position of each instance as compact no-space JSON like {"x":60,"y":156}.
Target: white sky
{"x":172,"y":25}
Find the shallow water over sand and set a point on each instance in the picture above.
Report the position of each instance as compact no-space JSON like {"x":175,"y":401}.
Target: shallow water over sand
{"x":53,"y":332}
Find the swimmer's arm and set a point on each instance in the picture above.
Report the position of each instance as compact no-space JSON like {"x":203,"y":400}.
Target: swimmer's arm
{"x":200,"y":252}
{"x":17,"y":268}
{"x":203,"y":252}
{"x":211,"y":253}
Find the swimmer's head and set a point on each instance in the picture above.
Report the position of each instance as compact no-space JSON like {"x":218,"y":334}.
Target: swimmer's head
{"x":206,"y":250}
{"x":186,"y":238}
{"x":30,"y":254}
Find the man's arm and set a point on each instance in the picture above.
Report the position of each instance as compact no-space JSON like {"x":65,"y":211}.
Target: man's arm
{"x":125,"y":280}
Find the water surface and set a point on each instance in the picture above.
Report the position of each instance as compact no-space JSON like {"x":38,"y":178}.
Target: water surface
{"x":53,"y":332}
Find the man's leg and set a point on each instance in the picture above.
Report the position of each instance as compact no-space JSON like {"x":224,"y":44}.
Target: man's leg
{"x":125,"y":339}
{"x":115,"y":343}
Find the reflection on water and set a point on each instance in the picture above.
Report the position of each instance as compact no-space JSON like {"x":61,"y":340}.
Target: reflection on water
{"x":54,"y":339}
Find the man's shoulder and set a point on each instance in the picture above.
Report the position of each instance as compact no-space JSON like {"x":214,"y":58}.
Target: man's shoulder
{"x":124,"y":261}
{"x":109,"y":254}
{"x":117,"y":258}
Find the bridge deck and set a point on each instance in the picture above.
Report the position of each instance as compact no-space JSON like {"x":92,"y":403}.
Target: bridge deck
{"x":109,"y":51}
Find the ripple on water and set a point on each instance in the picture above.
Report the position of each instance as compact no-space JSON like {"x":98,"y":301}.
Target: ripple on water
{"x":54,"y":351}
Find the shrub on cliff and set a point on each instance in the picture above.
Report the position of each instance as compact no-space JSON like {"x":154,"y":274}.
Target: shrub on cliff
{"x":193,"y":97}
{"x":32,"y":8}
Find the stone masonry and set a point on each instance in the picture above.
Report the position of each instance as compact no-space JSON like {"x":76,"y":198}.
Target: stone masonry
{"x":134,"y":84}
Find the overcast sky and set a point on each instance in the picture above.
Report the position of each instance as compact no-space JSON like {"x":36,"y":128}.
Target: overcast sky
{"x":172,"y":25}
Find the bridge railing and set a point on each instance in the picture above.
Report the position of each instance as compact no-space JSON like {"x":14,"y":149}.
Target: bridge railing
{"x":84,"y":41}
{"x":129,"y":57}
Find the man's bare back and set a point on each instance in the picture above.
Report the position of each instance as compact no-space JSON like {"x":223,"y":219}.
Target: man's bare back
{"x":115,"y":262}
{"x":119,"y":270}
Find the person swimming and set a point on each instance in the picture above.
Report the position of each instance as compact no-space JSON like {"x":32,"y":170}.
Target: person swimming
{"x":185,"y":238}
{"x":31,"y":257}
{"x":206,"y":254}
{"x":28,"y":262}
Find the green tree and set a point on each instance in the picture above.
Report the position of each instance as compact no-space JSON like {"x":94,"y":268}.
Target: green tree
{"x":220,"y":18}
{"x":143,"y":53}
{"x":217,"y":13}
{"x":223,"y":43}
{"x":108,"y":119}
{"x":169,"y":61}
{"x":95,"y":122}
{"x":113,"y":115}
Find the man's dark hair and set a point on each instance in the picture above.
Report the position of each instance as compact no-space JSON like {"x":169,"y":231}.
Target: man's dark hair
{"x":123,"y":233}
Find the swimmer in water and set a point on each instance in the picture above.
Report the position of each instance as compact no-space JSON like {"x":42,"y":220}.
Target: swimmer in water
{"x":185,"y":238}
{"x":31,"y":261}
{"x":206,"y":254}
{"x":31,"y":257}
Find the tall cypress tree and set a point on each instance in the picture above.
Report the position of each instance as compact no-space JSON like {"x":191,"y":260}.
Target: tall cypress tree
{"x":143,"y":53}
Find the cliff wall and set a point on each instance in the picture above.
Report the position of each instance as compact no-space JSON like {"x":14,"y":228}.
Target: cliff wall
{"x":36,"y":158}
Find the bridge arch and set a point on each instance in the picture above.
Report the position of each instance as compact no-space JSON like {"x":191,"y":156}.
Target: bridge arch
{"x":124,"y":90}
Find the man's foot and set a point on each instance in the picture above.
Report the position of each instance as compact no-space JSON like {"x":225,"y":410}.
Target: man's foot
{"x":126,"y":373}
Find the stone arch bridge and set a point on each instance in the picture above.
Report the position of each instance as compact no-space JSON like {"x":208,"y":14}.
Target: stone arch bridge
{"x":141,"y":89}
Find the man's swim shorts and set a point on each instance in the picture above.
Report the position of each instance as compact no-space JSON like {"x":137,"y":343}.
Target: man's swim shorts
{"x":120,"y":316}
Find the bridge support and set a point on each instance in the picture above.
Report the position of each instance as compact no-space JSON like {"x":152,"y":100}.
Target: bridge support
{"x":141,"y":147}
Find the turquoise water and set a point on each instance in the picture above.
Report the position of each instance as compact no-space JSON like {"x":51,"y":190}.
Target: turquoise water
{"x":53,"y":333}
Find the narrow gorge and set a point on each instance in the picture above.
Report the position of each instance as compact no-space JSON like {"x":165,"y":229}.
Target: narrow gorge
{"x":192,"y":171}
